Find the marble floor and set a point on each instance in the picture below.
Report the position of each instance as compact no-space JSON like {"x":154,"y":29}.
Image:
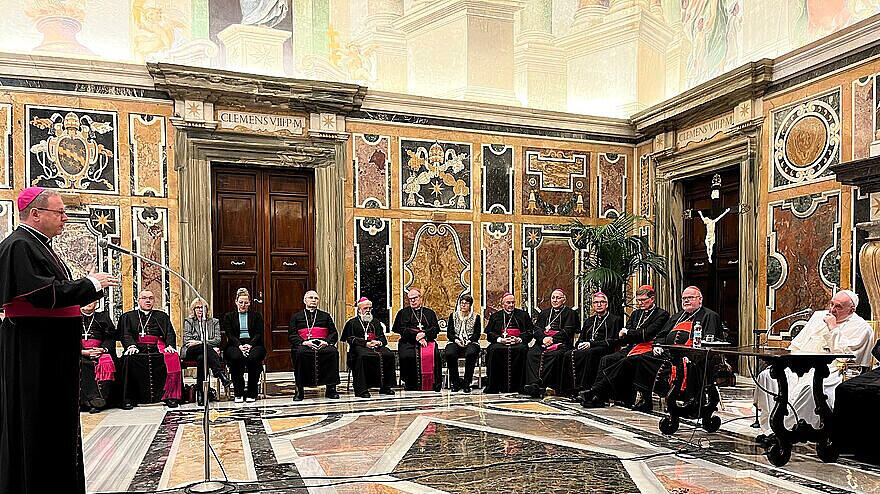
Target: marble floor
{"x":424,"y":442}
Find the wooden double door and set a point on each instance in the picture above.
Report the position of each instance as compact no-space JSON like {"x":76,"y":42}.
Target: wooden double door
{"x":718,"y":277}
{"x":264,"y":240}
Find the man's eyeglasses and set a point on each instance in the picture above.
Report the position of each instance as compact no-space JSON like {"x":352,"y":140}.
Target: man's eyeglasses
{"x":690,"y":297}
{"x":62,"y":212}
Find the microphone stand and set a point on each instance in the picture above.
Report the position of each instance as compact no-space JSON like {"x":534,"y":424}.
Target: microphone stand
{"x":207,"y":485}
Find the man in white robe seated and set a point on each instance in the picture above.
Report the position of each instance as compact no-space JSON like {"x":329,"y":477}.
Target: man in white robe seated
{"x":837,"y":330}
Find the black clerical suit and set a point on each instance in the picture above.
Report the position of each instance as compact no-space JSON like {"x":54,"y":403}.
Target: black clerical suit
{"x":370,"y":367}
{"x":581,"y":365}
{"x":97,"y":374}
{"x":40,"y":340}
{"x":314,"y":367}
{"x":544,"y":363}
{"x":150,"y":375}
{"x":505,"y":363}
{"x":856,"y":402}
{"x":238,"y":362}
{"x":420,"y":367}
{"x":614,"y":377}
{"x":466,"y":331}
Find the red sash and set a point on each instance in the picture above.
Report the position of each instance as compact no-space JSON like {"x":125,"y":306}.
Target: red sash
{"x":19,"y":307}
{"x":551,"y":333}
{"x":105,"y":369}
{"x":427,"y":359}
{"x":686,"y":327}
{"x":643,"y":347}
{"x":511,"y":332}
{"x":313,"y":332}
{"x":371,"y":337}
{"x":173,"y":378}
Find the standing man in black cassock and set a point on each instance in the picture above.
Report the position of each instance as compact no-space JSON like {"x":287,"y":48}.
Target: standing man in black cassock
{"x":554,"y":334}
{"x":598,"y":338}
{"x":150,"y":358}
{"x":370,"y":360}
{"x":313,"y":338}
{"x":98,"y":359}
{"x":40,"y":444}
{"x":509,"y":332}
{"x":420,"y":365}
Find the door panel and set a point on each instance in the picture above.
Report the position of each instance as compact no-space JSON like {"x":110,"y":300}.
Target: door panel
{"x":264,"y":240}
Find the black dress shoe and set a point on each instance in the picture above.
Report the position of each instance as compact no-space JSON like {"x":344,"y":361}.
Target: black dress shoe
{"x":172,"y":403}
{"x":331,"y":393}
{"x":532,"y":390}
{"x":593,"y":402}
{"x":465,"y":389}
{"x":298,"y":397}
{"x":98,"y":403}
{"x":94,"y":410}
{"x":365,"y":394}
{"x":643,"y":405}
{"x":456,"y":386}
{"x":127,"y":405}
{"x":386,"y":391}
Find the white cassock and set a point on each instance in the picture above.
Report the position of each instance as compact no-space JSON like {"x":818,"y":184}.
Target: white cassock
{"x":853,"y":335}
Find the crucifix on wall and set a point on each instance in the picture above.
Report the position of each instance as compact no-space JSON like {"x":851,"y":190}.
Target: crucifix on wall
{"x":711,"y":217}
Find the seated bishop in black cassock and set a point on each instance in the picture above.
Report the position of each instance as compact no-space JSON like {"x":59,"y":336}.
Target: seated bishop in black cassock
{"x":420,"y":366}
{"x":370,"y":360}
{"x":856,"y":404}
{"x":613,"y":377}
{"x":639,"y":369}
{"x":97,"y":359}
{"x":151,"y":365}
{"x":509,"y":332}
{"x":313,"y":338}
{"x":554,"y":333}
{"x":40,"y":446}
{"x":597,"y":339}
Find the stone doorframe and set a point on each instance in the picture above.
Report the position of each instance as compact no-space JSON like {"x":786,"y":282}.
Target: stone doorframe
{"x":199,"y":142}
{"x":740,"y":145}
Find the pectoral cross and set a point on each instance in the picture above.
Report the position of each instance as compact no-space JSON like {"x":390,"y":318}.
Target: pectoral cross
{"x":419,"y":326}
{"x":85,"y":334}
{"x":143,"y":333}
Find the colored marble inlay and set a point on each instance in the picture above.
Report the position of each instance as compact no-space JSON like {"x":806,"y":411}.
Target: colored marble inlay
{"x":497,"y":179}
{"x":229,"y":441}
{"x":149,"y":161}
{"x":864,"y":105}
{"x":645,"y":186}
{"x":540,"y":466}
{"x":372,"y":171}
{"x":549,"y":262}
{"x":150,"y":239}
{"x":6,"y":216}
{"x":372,"y":264}
{"x":556,"y":183}
{"x":802,"y":270}
{"x":612,"y":185}
{"x":435,"y":174}
{"x":274,"y":426}
{"x":5,"y":146}
{"x":437,"y":260}
{"x":72,"y":149}
{"x":497,"y":257}
{"x":806,"y":140}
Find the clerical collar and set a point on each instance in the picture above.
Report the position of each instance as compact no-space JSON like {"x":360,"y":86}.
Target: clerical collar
{"x":145,"y":312}
{"x":42,"y":237}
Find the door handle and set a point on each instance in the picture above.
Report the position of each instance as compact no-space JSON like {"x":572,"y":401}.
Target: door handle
{"x":288,"y":264}
{"x":259,"y":298}
{"x":699,"y":264}
{"x":237,"y":263}
{"x":733,"y":262}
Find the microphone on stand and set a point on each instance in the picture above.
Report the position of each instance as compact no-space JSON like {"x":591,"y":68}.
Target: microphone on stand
{"x":207,"y":485}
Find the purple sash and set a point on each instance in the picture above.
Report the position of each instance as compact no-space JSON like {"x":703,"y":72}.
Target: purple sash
{"x":511,"y":332}
{"x":313,"y":332}
{"x":105,"y":369}
{"x":174,"y":376}
{"x":427,"y":361}
{"x":551,"y":333}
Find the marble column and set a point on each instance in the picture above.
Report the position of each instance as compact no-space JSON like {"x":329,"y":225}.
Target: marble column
{"x":539,"y":65}
{"x":254,"y":49}
{"x":387,"y":43}
{"x":462,"y":49}
{"x":617,"y":67}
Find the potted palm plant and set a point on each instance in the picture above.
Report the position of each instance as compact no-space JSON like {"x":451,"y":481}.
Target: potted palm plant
{"x":615,"y":253}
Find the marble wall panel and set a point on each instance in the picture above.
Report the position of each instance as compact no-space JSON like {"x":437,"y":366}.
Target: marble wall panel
{"x":149,"y":158}
{"x":549,"y":261}
{"x":435,"y":174}
{"x":803,"y":262}
{"x":7,"y":215}
{"x":150,"y":239}
{"x":437,"y":260}
{"x":497,"y":179}
{"x":556,"y":182}
{"x":612,"y":185}
{"x":497,"y":269}
{"x":372,"y":265}
{"x":864,"y":109}
{"x":372,"y":171}
{"x":806,"y":140}
{"x":78,"y":246}
{"x":5,"y":146}
{"x":861,"y":212}
{"x":71,"y":148}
